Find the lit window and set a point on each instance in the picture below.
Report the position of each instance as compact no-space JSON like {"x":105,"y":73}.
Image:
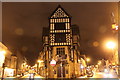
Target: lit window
{"x":51,"y":20}
{"x":63,"y":20}
{"x":68,"y":20}
{"x":58,"y":20}
{"x":60,"y":51}
{"x":54,"y":20}
{"x":68,"y":25}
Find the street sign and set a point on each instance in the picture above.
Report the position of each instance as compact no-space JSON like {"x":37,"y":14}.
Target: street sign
{"x":53,"y":63}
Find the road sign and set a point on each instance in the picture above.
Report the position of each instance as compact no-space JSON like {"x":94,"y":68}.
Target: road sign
{"x":53,"y":63}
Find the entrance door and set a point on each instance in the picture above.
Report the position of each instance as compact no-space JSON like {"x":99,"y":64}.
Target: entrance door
{"x":61,"y":71}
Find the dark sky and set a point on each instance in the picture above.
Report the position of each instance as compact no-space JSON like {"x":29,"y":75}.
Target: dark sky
{"x":23,"y":23}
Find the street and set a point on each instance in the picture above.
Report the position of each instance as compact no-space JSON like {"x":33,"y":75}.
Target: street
{"x":31,"y":76}
{"x":25,"y":77}
{"x":59,"y":40}
{"x":102,"y":75}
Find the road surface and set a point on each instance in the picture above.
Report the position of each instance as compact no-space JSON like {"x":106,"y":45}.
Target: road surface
{"x":102,"y":75}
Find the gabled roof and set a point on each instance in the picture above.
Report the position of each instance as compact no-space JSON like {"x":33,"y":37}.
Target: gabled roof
{"x":59,"y":12}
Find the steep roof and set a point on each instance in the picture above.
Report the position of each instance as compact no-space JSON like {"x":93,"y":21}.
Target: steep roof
{"x":59,"y":13}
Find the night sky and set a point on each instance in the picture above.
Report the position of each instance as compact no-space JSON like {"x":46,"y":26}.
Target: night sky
{"x":23,"y":23}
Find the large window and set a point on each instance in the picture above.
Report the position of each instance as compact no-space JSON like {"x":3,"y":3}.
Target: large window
{"x":60,"y":38}
{"x":60,"y":51}
{"x":59,"y":26}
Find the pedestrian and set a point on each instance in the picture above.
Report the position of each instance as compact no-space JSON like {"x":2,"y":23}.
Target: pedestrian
{"x":22,"y":74}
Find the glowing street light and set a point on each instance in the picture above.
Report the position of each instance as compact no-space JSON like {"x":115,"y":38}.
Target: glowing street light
{"x":99,"y":62}
{"x":39,"y":61}
{"x":81,"y":66}
{"x":88,"y":59}
{"x":110,"y":45}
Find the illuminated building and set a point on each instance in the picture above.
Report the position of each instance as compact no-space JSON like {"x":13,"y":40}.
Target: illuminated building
{"x":12,"y":63}
{"x":61,"y":42}
{"x":6,"y":59}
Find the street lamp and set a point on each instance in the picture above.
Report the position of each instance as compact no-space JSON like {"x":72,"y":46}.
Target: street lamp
{"x":23,"y":67}
{"x":111,"y":45}
{"x":87,"y":60}
{"x":99,"y":65}
{"x":99,"y":62}
{"x":39,"y":61}
{"x":38,"y":65}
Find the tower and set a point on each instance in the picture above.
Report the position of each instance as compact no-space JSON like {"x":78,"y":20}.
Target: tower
{"x":61,"y":43}
{"x":60,"y":40}
{"x":60,"y":28}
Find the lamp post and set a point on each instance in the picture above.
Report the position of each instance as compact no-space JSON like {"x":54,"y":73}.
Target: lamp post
{"x":23,"y":68}
{"x":38,"y":65}
{"x":2,"y":56}
{"x":111,"y":45}
{"x":87,"y":60}
{"x":3,"y":71}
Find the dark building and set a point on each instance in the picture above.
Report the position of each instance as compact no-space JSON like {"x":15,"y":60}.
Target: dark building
{"x":61,"y":43}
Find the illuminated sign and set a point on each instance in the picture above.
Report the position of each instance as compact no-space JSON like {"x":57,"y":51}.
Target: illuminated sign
{"x":114,"y":26}
{"x":53,"y":63}
{"x":9,"y":72}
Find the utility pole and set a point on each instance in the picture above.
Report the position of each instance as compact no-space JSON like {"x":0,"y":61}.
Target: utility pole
{"x":3,"y":71}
